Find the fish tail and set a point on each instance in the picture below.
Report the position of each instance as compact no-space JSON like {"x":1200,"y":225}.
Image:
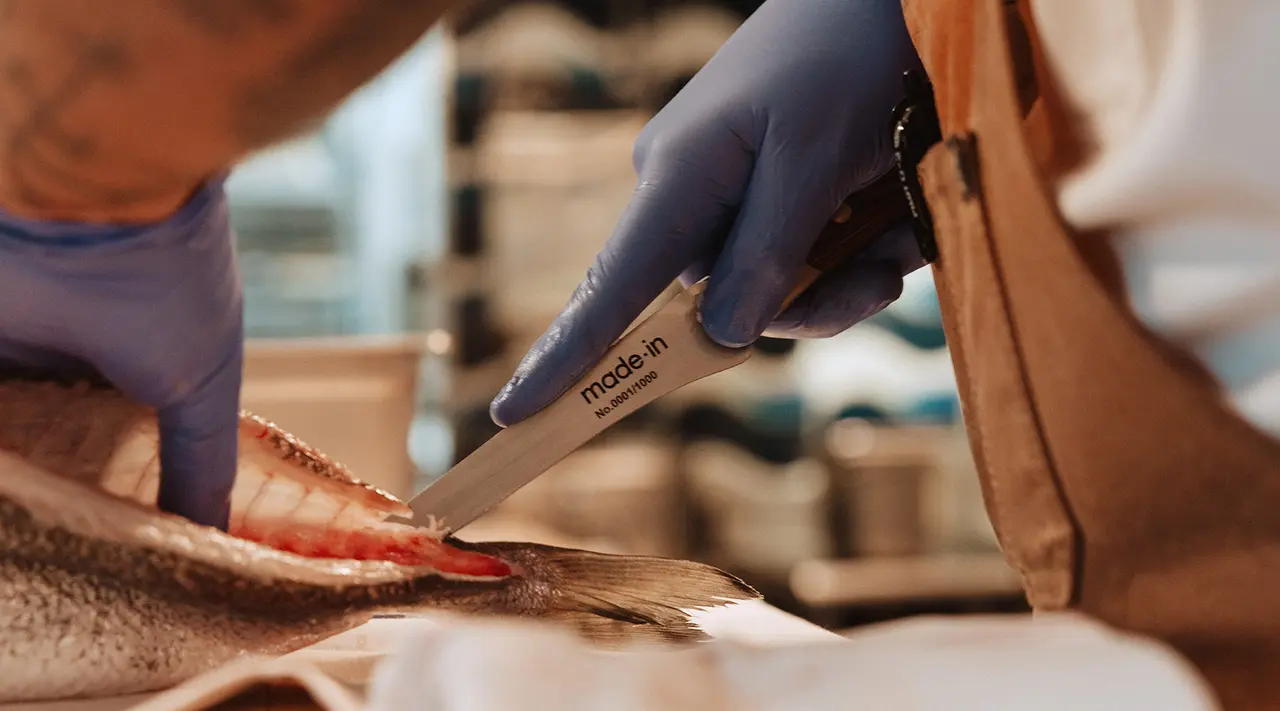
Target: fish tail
{"x":613,"y":600}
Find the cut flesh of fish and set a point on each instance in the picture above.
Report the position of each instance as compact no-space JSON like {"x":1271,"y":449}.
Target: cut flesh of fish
{"x":392,"y":543}
{"x":332,"y":515}
{"x":287,"y":495}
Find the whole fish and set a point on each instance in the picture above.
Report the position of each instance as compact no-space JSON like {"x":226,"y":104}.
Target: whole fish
{"x":102,"y":594}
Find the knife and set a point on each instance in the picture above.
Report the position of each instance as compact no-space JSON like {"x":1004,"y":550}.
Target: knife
{"x":664,"y":352}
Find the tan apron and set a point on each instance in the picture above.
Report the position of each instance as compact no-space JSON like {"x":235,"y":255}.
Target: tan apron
{"x":1118,"y":481}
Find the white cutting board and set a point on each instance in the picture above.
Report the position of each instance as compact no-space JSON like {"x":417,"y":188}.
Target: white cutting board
{"x":330,"y":669}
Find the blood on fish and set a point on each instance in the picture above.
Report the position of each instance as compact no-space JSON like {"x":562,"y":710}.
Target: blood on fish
{"x":411,"y":549}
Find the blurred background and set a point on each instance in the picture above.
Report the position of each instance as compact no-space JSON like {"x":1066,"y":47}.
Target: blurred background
{"x":399,"y":261}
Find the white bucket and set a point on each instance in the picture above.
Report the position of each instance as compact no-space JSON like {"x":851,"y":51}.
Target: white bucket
{"x":351,"y":398}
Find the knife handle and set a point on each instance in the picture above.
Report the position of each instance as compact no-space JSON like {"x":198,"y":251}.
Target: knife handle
{"x":862,"y":217}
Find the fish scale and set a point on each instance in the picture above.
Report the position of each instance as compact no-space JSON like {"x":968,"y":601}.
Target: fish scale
{"x":36,"y":427}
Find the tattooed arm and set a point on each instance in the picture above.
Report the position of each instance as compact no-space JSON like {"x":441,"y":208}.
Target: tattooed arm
{"x":129,"y":112}
{"x":117,"y":111}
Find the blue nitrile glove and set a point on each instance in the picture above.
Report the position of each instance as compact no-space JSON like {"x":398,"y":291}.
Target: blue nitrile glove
{"x":790,"y":117}
{"x":154,"y":309}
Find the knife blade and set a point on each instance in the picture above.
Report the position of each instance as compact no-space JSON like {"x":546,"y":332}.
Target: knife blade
{"x":666,"y":351}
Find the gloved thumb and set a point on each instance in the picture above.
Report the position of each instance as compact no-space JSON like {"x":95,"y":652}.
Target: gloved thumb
{"x":199,"y":447}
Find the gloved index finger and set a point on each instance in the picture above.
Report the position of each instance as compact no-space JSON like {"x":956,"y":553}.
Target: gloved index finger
{"x":671,"y":220}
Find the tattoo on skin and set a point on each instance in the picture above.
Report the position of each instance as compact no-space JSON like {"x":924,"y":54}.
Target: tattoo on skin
{"x":321,"y":72}
{"x":79,"y":79}
{"x":41,"y":150}
{"x":233,"y":19}
{"x":17,"y":73}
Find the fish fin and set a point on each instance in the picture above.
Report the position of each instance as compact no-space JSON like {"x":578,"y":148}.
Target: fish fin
{"x":615,"y":599}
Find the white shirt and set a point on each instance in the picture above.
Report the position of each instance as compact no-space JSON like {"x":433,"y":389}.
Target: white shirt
{"x":1180,"y":99}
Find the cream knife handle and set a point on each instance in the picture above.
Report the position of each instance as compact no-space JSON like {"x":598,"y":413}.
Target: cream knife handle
{"x":665,"y":351}
{"x":862,"y":217}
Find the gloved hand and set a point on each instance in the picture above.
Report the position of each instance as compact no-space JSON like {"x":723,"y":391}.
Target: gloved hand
{"x":790,"y":117}
{"x":154,"y":309}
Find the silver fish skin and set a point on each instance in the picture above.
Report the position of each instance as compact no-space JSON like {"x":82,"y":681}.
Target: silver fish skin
{"x":101,"y":594}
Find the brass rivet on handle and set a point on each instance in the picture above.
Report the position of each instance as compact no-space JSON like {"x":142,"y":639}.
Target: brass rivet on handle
{"x":844,"y":213}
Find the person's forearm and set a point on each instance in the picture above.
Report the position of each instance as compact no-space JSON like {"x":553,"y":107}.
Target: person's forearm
{"x":116,"y":111}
